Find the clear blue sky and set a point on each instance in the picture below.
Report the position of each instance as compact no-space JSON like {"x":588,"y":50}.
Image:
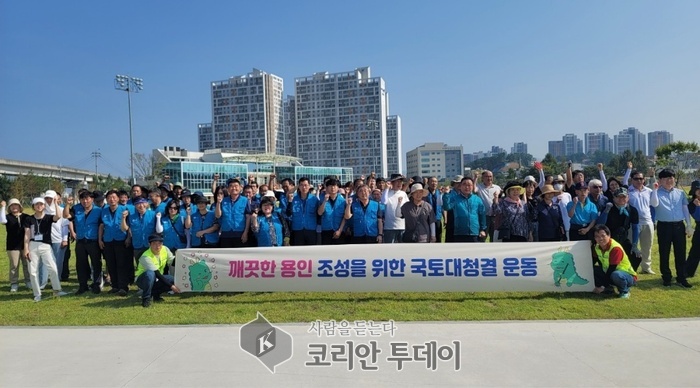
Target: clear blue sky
{"x":479,"y":73}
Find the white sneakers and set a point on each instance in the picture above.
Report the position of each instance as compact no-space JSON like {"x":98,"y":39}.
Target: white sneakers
{"x":37,"y":298}
{"x":60,"y":293}
{"x":13,"y":288}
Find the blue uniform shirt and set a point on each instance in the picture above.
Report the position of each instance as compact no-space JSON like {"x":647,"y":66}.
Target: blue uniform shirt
{"x":365,"y":219}
{"x":112,"y":221}
{"x":304,"y":216}
{"x":141,"y":227}
{"x":202,"y":222}
{"x":86,"y":224}
{"x":333,"y":214}
{"x":233,"y":215}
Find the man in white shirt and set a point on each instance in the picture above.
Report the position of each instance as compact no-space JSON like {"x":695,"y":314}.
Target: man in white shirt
{"x":486,"y":190}
{"x":393,"y":226}
{"x":640,"y":199}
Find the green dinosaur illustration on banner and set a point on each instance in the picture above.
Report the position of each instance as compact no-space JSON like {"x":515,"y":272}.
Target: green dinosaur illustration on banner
{"x":565,"y":269}
{"x":200,"y":275}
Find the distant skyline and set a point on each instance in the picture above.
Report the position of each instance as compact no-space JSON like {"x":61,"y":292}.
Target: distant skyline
{"x":473,"y":73}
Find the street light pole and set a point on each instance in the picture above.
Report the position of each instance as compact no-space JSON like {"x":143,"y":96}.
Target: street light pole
{"x":129,"y":84}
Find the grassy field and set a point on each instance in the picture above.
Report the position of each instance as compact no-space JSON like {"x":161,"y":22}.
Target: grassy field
{"x":649,"y":300}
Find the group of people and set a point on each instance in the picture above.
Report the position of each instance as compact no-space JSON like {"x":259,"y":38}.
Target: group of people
{"x":138,"y":232}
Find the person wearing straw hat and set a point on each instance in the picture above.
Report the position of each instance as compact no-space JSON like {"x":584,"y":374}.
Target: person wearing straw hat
{"x":419,"y":216}
{"x":37,"y":247}
{"x":13,"y":218}
{"x":550,"y":224}
{"x":515,"y":213}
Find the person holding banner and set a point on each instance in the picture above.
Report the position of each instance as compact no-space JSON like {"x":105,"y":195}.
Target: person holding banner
{"x":419,"y":217}
{"x":469,"y":212}
{"x":268,"y":227}
{"x":149,"y":273}
{"x":515,"y":214}
{"x":366,"y":216}
{"x":614,"y":263}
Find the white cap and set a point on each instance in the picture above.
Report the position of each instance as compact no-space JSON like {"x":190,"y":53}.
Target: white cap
{"x":530,"y":178}
{"x":38,"y":200}
{"x":270,"y":193}
{"x":50,"y":194}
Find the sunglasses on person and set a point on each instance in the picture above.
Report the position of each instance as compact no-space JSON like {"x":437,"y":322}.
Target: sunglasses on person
{"x":638,"y":179}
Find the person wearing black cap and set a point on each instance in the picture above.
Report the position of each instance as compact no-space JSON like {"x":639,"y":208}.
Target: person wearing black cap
{"x":672,"y":224}
{"x":86,"y":221}
{"x":98,"y":198}
{"x":694,"y":210}
{"x":149,"y":273}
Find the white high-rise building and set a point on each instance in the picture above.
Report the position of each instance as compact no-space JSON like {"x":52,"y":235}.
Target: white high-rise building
{"x":290,"y":125}
{"x":630,"y":139}
{"x":598,"y":141}
{"x":519,"y":148}
{"x":247,"y":113}
{"x":205,"y":136}
{"x":658,"y":139}
{"x":394,"y":157}
{"x":572,"y":144}
{"x":341,"y":120}
{"x":435,"y":159}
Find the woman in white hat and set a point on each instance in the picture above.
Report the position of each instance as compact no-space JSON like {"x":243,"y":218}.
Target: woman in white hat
{"x":14,"y":225}
{"x":419,"y":216}
{"x":37,"y":246}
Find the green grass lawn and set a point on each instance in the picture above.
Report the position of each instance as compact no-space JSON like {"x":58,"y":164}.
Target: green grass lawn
{"x":649,"y":300}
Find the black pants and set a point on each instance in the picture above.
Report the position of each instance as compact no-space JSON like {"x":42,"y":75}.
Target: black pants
{"x":118,"y":263}
{"x":85,"y":249}
{"x":463,"y":239}
{"x":304,"y":237}
{"x":327,"y":238}
{"x":671,"y":233}
{"x":364,"y":239}
{"x":691,"y":264}
{"x":438,"y":230}
{"x":575,"y":236}
{"x":230,"y":242}
{"x":514,"y":238}
{"x":65,"y":271}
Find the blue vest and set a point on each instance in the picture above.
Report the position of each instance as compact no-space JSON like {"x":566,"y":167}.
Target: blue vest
{"x":141,"y":227}
{"x":112,"y":229}
{"x":263,"y":234}
{"x":86,"y":225}
{"x":333,"y":215}
{"x":304,"y":214}
{"x":364,"y":220}
{"x":172,"y":230}
{"x":202,"y":222}
{"x":233,"y":214}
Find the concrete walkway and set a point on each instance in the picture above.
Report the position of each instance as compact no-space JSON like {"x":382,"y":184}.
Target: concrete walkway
{"x":524,"y":353}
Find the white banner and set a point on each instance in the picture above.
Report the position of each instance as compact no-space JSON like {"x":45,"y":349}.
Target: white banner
{"x":565,"y":266}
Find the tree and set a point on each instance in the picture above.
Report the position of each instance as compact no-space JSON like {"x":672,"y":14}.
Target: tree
{"x":147,"y":167}
{"x":5,"y":188}
{"x":679,"y":155}
{"x":27,"y":186}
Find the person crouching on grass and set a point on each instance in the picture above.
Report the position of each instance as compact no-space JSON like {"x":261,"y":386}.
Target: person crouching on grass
{"x":37,"y":246}
{"x":614,"y":263}
{"x":149,"y":273}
